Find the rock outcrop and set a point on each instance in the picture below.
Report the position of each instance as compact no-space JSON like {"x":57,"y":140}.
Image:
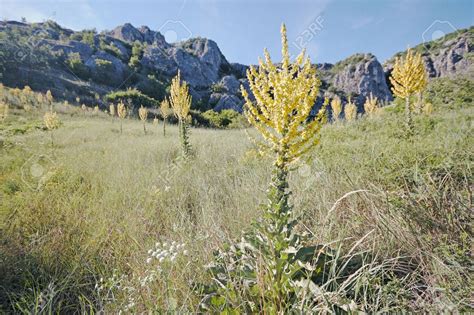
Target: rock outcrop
{"x":445,"y":57}
{"x":361,"y":75}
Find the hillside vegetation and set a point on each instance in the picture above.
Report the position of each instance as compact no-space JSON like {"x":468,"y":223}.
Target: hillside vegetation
{"x":80,"y":217}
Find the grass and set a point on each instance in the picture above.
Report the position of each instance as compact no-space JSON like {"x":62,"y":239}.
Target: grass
{"x":100,"y":200}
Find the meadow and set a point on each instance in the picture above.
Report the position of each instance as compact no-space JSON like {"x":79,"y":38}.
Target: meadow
{"x":80,"y":217}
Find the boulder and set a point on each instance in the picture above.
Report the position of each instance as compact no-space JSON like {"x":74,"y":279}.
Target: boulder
{"x":214,"y":98}
{"x":228,"y":101}
{"x":230,"y":84}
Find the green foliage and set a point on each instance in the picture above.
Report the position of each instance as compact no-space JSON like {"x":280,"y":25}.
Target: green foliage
{"x":137,"y":52}
{"x":88,"y":37}
{"x":110,"y":48}
{"x":103,"y":70}
{"x":452,"y":92}
{"x":131,"y":97}
{"x":217,"y":88}
{"x":103,"y":65}
{"x":152,"y":87}
{"x":226,"y":118}
{"x":76,"y":65}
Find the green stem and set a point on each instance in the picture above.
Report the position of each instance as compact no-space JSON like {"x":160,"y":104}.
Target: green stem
{"x":409,"y":121}
{"x":183,"y":134}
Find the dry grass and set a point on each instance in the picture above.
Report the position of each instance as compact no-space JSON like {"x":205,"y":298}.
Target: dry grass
{"x":103,"y":199}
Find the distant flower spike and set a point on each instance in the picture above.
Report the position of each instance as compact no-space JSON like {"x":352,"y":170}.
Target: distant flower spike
{"x":370,"y":105}
{"x":143,"y":114}
{"x":408,"y":77}
{"x":165,"y":111}
{"x":350,"y":110}
{"x":336,"y":107}
{"x":181,"y":103}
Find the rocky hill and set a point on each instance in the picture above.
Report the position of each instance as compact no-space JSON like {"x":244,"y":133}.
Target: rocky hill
{"x":89,"y":65}
{"x":451,"y":55}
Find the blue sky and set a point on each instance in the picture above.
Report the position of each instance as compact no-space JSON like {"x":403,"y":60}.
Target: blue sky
{"x":330,"y":30}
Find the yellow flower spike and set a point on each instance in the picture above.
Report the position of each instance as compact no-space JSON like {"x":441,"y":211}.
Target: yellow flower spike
{"x":408,"y":77}
{"x":284,"y":98}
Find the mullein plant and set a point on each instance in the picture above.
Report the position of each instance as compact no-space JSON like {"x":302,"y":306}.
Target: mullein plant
{"x":181,"y":103}
{"x":165,"y":111}
{"x":143,"y":114}
{"x":265,"y":271}
{"x":122,"y":113}
{"x":51,"y":122}
{"x":408,"y":78}
{"x":336,"y":107}
{"x":49,"y":99}
{"x":350,"y":110}
{"x":371,"y":106}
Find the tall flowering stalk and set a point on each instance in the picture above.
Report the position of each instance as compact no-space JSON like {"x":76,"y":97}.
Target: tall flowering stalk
{"x":181,"y":103}
{"x":370,"y":105}
{"x":165,"y":111}
{"x":408,"y":78}
{"x":122,"y":113}
{"x":284,"y":97}
{"x":51,"y":122}
{"x":49,"y":99}
{"x":336,"y":107}
{"x":143,"y":114}
{"x":350,"y":110}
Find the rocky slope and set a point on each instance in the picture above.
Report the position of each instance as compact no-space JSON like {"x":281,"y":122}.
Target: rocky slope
{"x":451,"y":55}
{"x":90,"y":64}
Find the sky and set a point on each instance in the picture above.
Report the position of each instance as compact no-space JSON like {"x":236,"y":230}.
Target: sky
{"x":330,"y":30}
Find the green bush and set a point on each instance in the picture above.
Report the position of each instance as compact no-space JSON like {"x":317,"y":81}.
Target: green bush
{"x":131,"y":97}
{"x":103,"y":71}
{"x":217,"y":88}
{"x":227,"y":118}
{"x":152,"y":87}
{"x":76,"y":65}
